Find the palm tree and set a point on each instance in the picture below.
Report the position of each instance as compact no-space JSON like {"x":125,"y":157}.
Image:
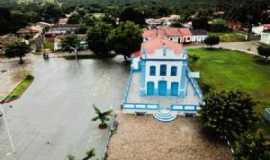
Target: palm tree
{"x":103,"y":117}
{"x":90,"y":154}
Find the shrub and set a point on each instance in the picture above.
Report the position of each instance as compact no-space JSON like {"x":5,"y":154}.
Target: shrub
{"x":212,"y":40}
{"x":228,"y":113}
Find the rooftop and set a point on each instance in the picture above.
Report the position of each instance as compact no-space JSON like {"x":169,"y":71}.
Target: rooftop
{"x":157,"y":43}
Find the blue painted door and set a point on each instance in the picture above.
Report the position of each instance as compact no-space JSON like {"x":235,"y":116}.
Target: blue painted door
{"x":150,"y":88}
{"x":162,"y":88}
{"x":174,"y":88}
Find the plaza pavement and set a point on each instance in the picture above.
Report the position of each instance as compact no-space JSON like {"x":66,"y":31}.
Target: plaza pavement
{"x":53,"y":117}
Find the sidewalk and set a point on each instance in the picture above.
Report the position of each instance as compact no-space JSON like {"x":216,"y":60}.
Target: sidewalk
{"x":12,"y":73}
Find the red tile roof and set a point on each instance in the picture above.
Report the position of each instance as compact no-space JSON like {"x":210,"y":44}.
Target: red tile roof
{"x":169,"y":31}
{"x":266,"y":26}
{"x":136,"y":54}
{"x":157,"y":43}
{"x":185,"y":32}
{"x":166,"y":31}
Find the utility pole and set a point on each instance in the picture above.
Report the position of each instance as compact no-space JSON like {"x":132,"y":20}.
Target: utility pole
{"x":11,"y":142}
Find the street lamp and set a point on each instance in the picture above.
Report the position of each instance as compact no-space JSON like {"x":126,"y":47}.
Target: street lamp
{"x":11,"y":142}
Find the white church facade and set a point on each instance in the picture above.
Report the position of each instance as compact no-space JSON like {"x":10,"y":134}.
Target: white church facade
{"x":161,"y":82}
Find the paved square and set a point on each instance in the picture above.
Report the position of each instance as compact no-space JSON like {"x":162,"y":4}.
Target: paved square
{"x":143,"y":138}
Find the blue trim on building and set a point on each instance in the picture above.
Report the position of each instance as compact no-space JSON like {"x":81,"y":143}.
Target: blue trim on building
{"x":143,"y":104}
{"x":128,"y":86}
{"x":164,"y":60}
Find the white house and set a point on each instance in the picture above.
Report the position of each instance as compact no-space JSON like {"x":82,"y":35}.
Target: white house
{"x":258,"y":30}
{"x":161,"y":82}
{"x":265,"y":38}
{"x":198,"y":36}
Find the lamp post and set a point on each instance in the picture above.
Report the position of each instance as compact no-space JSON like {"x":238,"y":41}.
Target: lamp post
{"x":10,"y":139}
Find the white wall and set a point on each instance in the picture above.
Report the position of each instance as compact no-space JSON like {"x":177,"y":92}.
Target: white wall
{"x":199,"y":38}
{"x":258,"y":29}
{"x":265,"y":38}
{"x":168,"y":76}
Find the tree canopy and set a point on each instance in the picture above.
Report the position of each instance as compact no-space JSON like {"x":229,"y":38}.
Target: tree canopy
{"x":264,"y":50}
{"x":252,"y":146}
{"x":17,"y":49}
{"x":97,"y":38}
{"x":125,"y":38}
{"x":228,"y":113}
{"x":212,"y":40}
{"x":71,"y":42}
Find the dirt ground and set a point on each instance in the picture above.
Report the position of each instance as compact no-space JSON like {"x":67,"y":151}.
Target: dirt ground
{"x":144,"y":138}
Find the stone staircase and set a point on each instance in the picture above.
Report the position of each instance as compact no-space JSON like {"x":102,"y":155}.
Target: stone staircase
{"x":165,"y":115}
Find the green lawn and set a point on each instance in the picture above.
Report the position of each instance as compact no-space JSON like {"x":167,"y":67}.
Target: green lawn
{"x":228,"y":36}
{"x":20,"y":88}
{"x":230,"y":70}
{"x":233,"y":70}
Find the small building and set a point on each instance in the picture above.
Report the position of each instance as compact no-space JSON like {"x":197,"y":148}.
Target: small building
{"x":57,"y":43}
{"x":258,"y":30}
{"x":161,"y":82}
{"x":163,"y":21}
{"x":58,"y":29}
{"x":265,"y":37}
{"x":199,"y":35}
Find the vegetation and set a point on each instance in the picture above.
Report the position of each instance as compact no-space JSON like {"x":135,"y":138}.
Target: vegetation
{"x":234,"y":73}
{"x":90,"y":154}
{"x":71,"y":42}
{"x":103,"y":117}
{"x":228,"y":113}
{"x":211,"y":41}
{"x":264,"y":51}
{"x":228,"y":36}
{"x":17,"y":16}
{"x":97,"y":38}
{"x":17,"y":49}
{"x":20,"y":88}
{"x":232,"y":70}
{"x":250,"y":147}
{"x":48,"y":45}
{"x":125,"y":39}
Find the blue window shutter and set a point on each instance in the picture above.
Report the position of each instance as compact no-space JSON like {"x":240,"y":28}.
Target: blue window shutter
{"x":163,"y":70}
{"x":173,"y":71}
{"x":152,"y":70}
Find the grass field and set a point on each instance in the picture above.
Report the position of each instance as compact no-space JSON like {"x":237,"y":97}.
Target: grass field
{"x":228,"y":36}
{"x":233,"y":70}
{"x":20,"y":88}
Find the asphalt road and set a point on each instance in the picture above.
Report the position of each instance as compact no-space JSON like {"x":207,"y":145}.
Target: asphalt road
{"x":53,"y":117}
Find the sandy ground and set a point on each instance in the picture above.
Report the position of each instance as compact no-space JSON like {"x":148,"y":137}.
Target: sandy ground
{"x":144,"y":138}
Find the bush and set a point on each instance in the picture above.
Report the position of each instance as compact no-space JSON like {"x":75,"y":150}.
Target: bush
{"x":212,"y":40}
{"x":228,"y":113}
{"x":264,"y":51}
{"x":194,"y":58}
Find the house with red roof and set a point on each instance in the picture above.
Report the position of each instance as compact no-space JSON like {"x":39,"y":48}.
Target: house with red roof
{"x":161,"y":82}
{"x":177,"y":35}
